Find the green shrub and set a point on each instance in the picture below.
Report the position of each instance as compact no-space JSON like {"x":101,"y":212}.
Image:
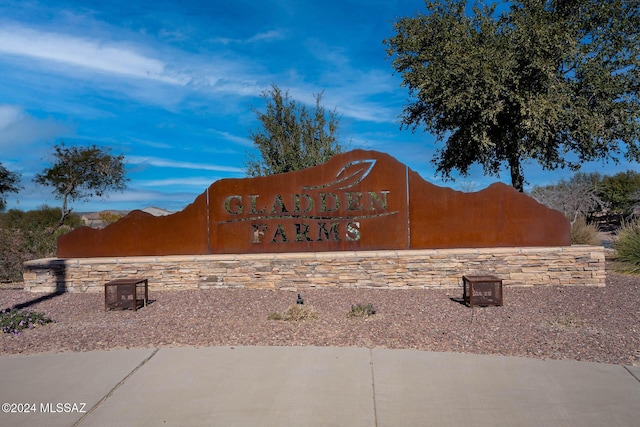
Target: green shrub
{"x":627,"y":246}
{"x":29,"y":235}
{"x":362,"y":310}
{"x":583,"y":233}
{"x":295,"y":313}
{"x":14,"y":321}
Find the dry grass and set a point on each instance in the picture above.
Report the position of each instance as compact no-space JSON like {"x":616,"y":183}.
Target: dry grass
{"x":583,"y":233}
{"x":295,"y":313}
{"x":362,"y":310}
{"x":567,"y":321}
{"x":627,"y":246}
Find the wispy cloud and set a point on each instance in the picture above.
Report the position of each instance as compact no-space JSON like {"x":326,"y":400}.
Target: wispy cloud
{"x":9,"y":114}
{"x":19,"y":129}
{"x":98,"y":55}
{"x":347,"y":86}
{"x":168,"y":163}
{"x":246,"y":142}
{"x":266,"y":36}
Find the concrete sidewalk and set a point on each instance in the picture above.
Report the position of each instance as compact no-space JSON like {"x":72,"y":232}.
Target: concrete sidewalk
{"x":312,"y":386}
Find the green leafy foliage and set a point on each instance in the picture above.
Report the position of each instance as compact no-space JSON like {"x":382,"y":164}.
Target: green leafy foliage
{"x":362,"y":310}
{"x":627,"y":246}
{"x":29,"y":235}
{"x":621,"y":191}
{"x":15,"y":321}
{"x":108,"y":218}
{"x":9,"y":183}
{"x":531,"y":80}
{"x":79,"y":173}
{"x":292,"y":137}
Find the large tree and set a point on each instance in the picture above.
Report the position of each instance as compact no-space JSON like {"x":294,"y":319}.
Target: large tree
{"x":545,"y":80}
{"x":292,"y":137}
{"x":9,"y":183}
{"x":79,"y":173}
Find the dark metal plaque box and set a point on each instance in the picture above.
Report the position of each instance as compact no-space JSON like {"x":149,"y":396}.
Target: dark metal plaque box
{"x":126,"y":293}
{"x":482,"y":290}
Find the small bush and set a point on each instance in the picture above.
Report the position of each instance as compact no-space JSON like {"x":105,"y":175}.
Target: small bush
{"x":14,"y":321}
{"x":29,"y":235}
{"x":362,"y":310}
{"x":583,"y":233}
{"x":627,"y":246}
{"x":567,"y":321}
{"x":295,"y":313}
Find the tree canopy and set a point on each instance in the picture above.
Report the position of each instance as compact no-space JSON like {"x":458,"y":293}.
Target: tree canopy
{"x":9,"y":183}
{"x":292,"y":137}
{"x":622,"y":192}
{"x":551,"y":81}
{"x":79,"y":173}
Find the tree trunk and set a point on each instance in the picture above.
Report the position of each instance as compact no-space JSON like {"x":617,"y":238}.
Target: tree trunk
{"x":517,"y":177}
{"x":65,"y":213}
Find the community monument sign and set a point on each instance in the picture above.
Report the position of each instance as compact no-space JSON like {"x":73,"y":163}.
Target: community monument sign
{"x":359,"y":200}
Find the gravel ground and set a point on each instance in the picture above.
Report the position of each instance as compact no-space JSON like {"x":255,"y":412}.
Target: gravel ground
{"x":579,"y":323}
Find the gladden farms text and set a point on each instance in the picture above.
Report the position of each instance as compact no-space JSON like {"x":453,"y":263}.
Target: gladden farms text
{"x":302,"y":217}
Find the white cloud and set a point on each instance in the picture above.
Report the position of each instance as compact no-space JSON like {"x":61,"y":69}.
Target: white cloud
{"x":9,"y":114}
{"x":367,"y":111}
{"x":168,"y":163}
{"x":101,"y":60}
{"x":88,"y":53}
{"x":259,"y":37}
{"x":18,"y":129}
{"x":266,"y":36}
{"x":246,"y":142}
{"x":347,"y":87}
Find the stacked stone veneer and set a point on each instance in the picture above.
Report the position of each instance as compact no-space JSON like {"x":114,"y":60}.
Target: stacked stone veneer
{"x":443,"y":268}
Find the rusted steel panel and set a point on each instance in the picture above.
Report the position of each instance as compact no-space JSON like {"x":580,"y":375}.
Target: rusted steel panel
{"x":496,"y":216}
{"x":360,"y":200}
{"x":355,"y":201}
{"x":140,"y":233}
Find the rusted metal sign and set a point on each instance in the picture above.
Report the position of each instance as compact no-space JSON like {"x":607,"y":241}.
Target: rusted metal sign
{"x":360,"y":200}
{"x":359,"y":203}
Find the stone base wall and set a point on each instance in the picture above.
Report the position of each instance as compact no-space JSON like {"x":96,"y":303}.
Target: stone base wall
{"x":534,"y":266}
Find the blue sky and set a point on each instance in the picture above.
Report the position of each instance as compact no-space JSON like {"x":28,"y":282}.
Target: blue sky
{"x":170,"y":84}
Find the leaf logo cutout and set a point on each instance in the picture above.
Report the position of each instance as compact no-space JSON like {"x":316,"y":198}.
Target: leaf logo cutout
{"x":351,"y":174}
